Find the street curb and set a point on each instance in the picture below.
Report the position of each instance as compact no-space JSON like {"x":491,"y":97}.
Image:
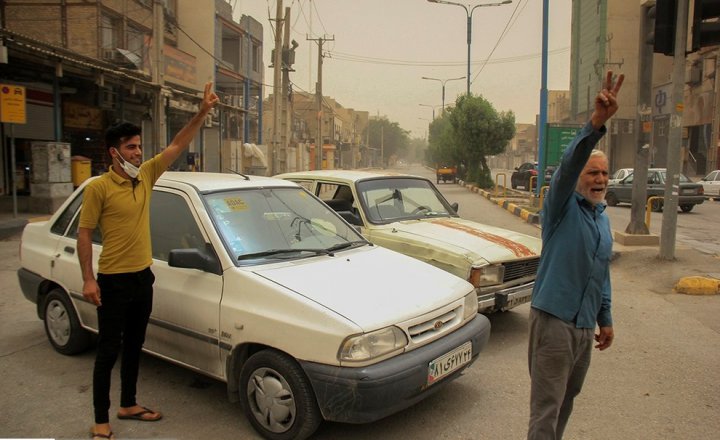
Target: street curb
{"x":530,"y":217}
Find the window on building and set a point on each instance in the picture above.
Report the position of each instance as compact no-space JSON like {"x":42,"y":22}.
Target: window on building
{"x":256,"y":57}
{"x":110,"y":34}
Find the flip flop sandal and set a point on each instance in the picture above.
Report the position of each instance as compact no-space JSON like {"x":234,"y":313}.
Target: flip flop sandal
{"x":95,"y":435}
{"x":139,"y":416}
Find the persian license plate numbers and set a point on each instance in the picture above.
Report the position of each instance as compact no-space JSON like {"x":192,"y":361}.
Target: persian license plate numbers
{"x":449,"y":362}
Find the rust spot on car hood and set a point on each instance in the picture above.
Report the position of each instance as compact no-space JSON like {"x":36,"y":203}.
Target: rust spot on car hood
{"x":516,"y":248}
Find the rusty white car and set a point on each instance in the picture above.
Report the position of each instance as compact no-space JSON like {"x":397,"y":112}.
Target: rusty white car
{"x":408,"y":214}
{"x":262,"y":286}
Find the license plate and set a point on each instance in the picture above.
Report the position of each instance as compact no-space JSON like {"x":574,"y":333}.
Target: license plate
{"x":449,"y":362}
{"x":517,"y":301}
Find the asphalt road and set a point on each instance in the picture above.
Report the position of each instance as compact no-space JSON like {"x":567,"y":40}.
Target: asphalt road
{"x":659,"y":381}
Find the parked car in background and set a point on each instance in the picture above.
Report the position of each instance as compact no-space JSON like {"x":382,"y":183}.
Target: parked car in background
{"x":711,"y":184}
{"x":522,"y":175}
{"x":408,"y":214}
{"x":619,"y":175}
{"x":262,"y":286}
{"x":691,"y":193}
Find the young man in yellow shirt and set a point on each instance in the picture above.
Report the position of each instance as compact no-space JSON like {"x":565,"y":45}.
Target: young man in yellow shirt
{"x":119,"y":203}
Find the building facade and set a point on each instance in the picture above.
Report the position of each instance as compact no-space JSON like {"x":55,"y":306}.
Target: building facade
{"x":88,"y":64}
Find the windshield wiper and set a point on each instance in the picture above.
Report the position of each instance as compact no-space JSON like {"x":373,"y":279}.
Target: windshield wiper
{"x":279,"y":252}
{"x":346,"y":245}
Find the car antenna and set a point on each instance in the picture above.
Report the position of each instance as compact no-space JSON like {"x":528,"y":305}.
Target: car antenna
{"x":238,"y":173}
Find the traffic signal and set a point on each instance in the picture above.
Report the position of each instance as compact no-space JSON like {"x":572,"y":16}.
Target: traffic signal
{"x":705,"y":24}
{"x":665,"y":18}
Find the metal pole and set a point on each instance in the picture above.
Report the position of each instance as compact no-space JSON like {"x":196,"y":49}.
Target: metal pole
{"x":469,"y":40}
{"x":672,"y":182}
{"x":543,"y":101}
{"x":643,"y":120}
{"x":13,"y":169}
{"x":277,"y":95}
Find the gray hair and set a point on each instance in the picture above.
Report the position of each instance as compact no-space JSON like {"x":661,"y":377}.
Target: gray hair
{"x":595,"y":152}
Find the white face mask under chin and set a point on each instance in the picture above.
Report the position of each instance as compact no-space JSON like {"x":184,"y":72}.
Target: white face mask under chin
{"x":129,"y":168}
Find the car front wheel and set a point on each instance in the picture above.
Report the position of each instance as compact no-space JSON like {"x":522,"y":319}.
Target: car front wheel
{"x":62,"y":325}
{"x":686,"y":208}
{"x":277,"y":397}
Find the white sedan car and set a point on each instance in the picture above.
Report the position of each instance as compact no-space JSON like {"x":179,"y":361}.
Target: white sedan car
{"x":260,"y":285}
{"x":619,"y":175}
{"x":711,"y":184}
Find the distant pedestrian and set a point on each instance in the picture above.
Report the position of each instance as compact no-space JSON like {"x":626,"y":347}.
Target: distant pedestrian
{"x":572,"y":291}
{"x":118,"y":203}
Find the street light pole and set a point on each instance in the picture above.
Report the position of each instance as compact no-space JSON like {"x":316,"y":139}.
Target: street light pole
{"x":432,"y":107}
{"x":443,"y":81}
{"x":469,"y":11}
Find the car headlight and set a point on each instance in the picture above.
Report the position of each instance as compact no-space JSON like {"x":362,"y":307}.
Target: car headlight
{"x":487,"y":275}
{"x":372,"y":345}
{"x":471,"y":305}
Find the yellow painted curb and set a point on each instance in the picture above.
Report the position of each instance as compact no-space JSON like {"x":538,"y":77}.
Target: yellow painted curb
{"x":698,"y":286}
{"x":524,"y":214}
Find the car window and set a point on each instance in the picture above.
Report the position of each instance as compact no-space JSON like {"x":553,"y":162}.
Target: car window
{"x":326,"y":191}
{"x":399,"y":199}
{"x":73,"y":231}
{"x":261,"y":220}
{"x":61,"y":224}
{"x":172,"y":225}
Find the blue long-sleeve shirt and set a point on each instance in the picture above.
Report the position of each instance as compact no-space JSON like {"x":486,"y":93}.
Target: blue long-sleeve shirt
{"x":573,"y":281}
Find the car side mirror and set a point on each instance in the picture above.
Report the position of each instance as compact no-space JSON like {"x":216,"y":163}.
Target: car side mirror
{"x":201,"y":259}
{"x":455,"y":207}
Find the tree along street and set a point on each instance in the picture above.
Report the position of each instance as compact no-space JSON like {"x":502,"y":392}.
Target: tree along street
{"x":659,"y":380}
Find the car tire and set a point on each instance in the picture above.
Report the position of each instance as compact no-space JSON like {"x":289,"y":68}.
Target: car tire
{"x":513,"y":184}
{"x":611,"y":199}
{"x":438,"y":180}
{"x":686,"y":208}
{"x":62,"y":325}
{"x":277,"y":397}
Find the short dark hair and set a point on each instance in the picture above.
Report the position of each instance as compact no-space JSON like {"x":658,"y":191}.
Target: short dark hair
{"x":118,"y":133}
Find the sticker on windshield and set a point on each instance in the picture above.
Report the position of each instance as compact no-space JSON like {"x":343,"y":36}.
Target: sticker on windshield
{"x":236,"y":204}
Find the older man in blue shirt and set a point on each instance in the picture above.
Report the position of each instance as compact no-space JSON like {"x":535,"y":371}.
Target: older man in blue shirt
{"x":572,"y":292}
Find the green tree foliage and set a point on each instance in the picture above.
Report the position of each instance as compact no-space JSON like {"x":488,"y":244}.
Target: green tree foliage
{"x":470,"y":132}
{"x":395,"y":140}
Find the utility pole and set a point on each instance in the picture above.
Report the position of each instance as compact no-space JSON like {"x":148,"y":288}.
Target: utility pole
{"x":159,"y":138}
{"x":672,"y":178}
{"x":277,"y":94}
{"x":643,"y":120}
{"x":318,"y":93}
{"x":287,"y":61}
{"x":382,"y":146}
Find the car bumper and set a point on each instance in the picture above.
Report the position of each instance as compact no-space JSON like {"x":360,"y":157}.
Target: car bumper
{"x":690,"y":200}
{"x":505,"y":299}
{"x":366,"y":394}
{"x":29,"y":284}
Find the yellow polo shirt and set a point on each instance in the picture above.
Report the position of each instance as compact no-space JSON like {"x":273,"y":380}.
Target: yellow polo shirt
{"x":122,"y":211}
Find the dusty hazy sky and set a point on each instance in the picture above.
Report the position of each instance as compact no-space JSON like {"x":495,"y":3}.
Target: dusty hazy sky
{"x":383,"y":48}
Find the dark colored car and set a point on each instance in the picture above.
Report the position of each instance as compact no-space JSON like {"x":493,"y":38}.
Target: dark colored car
{"x":691,"y":193}
{"x":523,"y":174}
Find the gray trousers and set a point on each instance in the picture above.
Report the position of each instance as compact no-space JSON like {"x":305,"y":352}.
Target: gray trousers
{"x":558,"y":358}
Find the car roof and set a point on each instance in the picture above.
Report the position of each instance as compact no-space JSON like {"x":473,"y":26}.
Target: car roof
{"x":208,"y":182}
{"x":349,"y":176}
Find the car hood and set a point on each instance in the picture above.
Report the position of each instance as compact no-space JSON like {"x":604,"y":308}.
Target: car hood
{"x":364,"y":285}
{"x":476,"y":242}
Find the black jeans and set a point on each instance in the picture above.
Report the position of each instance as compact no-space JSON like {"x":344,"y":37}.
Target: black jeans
{"x":122,"y":320}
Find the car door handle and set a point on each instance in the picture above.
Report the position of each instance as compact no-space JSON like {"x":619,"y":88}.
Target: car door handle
{"x":69,"y":249}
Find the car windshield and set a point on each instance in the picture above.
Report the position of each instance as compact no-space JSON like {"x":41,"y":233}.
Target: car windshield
{"x":270,"y":224}
{"x":397,"y":199}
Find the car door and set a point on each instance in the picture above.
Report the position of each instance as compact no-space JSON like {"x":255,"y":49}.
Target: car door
{"x":623,"y":189}
{"x":185,"y":318}
{"x":65,"y":263}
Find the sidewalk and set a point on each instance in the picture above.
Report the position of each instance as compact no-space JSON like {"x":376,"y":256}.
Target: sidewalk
{"x":11,"y":225}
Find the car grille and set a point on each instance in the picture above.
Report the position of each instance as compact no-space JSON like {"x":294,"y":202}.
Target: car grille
{"x":520,"y":269}
{"x":435,"y":326}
